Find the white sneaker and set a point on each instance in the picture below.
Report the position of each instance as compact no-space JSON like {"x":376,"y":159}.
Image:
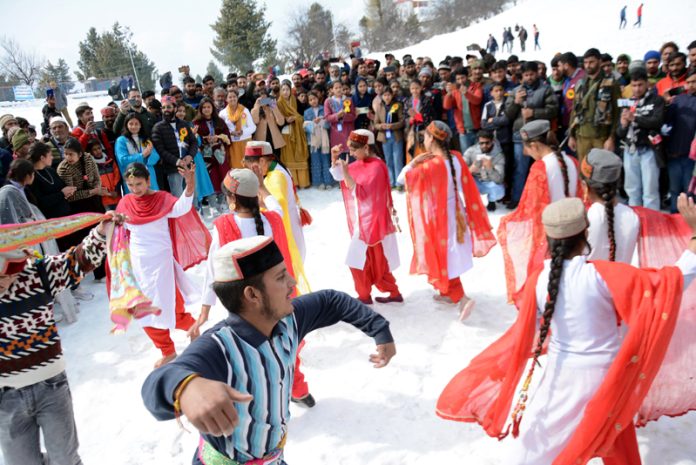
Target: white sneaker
{"x":322,"y":187}
{"x":82,"y":294}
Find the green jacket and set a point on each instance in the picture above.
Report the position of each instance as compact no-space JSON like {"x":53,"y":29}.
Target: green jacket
{"x":595,"y":110}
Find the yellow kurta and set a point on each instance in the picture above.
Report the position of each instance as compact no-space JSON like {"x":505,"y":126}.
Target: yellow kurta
{"x":295,"y":154}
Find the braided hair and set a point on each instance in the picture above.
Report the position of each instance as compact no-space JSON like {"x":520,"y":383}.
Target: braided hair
{"x":550,"y":140}
{"x":461,"y":221}
{"x":248,"y":203}
{"x":251,"y":204}
{"x":607,"y":192}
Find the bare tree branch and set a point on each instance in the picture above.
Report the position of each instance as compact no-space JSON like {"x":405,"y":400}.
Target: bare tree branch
{"x":18,"y":64}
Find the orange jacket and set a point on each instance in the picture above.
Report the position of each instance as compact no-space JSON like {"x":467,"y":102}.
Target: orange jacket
{"x":110,"y":177}
{"x":667,"y":83}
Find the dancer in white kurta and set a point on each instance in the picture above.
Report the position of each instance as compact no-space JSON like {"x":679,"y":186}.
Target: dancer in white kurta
{"x":158,"y":274}
{"x":614,"y":227}
{"x":441,"y":191}
{"x":583,"y":343}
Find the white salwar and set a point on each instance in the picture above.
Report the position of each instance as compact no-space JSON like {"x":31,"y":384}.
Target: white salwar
{"x":357,"y":248}
{"x":459,"y":255}
{"x":626,"y":230}
{"x":583,"y":343}
{"x":155,"y":269}
{"x":247,"y":227}
{"x":555,"y":176}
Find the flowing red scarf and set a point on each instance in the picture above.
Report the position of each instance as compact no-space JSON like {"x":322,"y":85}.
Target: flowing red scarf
{"x":374,"y":201}
{"x":190,"y":238}
{"x":521,"y":233}
{"x":647,"y":300}
{"x":427,"y":208}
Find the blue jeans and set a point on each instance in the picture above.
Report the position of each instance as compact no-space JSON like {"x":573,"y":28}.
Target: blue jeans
{"x":176,"y":184}
{"x":319,"y":166}
{"x":522,"y":164}
{"x":493,"y":190}
{"x":680,"y":171}
{"x":642,"y":178}
{"x":394,"y":156}
{"x":45,"y":406}
{"x":467,"y":140}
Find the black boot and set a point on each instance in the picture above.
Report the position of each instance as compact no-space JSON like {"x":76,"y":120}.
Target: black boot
{"x":491,"y":206}
{"x":308,"y":401}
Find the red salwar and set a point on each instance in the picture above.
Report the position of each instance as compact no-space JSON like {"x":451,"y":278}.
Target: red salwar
{"x":161,"y":337}
{"x":374,"y":273}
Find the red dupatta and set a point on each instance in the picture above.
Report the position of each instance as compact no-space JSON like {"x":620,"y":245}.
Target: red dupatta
{"x":190,"y":238}
{"x":374,"y":201}
{"x":427,"y":207}
{"x":662,"y":240}
{"x":521,"y":233}
{"x":647,"y":300}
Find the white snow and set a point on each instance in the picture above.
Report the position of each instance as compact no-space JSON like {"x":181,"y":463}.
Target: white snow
{"x":366,"y":416}
{"x":570,"y":25}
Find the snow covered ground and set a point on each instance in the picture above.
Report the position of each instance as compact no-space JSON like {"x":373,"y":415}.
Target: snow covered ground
{"x":363,"y":416}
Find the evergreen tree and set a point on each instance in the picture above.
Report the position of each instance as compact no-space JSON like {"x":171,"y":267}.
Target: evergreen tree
{"x":214,"y":71}
{"x":59,"y":73}
{"x":241,"y":35}
{"x":106,"y":55}
{"x":383,"y":26}
{"x":312,"y":32}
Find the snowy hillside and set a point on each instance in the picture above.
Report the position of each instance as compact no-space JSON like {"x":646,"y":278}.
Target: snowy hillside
{"x":571,"y":25}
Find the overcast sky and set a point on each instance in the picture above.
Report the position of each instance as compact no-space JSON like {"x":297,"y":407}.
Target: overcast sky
{"x":170,"y":32}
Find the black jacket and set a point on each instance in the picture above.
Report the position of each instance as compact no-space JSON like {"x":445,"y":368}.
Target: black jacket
{"x":147,"y":121}
{"x":648,"y":121}
{"x":166,"y":140}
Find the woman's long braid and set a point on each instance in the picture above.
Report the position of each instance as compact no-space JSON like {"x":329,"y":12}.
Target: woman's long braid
{"x":608,"y":192}
{"x":560,"y":249}
{"x":564,"y":172}
{"x":461,"y":222}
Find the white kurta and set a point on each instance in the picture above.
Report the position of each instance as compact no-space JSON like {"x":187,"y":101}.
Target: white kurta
{"x":294,"y":212}
{"x":154,"y":267}
{"x":247,"y":227}
{"x":626,"y":230}
{"x":248,"y":127}
{"x":459,"y":255}
{"x":555,"y":177}
{"x":583,"y":343}
{"x":357,"y":249}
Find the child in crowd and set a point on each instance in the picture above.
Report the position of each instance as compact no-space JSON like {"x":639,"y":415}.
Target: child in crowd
{"x":493,"y":119}
{"x":108,"y":173}
{"x":389,"y":123}
{"x":340,"y":115}
{"x":316,"y":128}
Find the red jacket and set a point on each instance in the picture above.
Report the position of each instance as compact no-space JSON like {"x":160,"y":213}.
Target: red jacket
{"x":474,"y":95}
{"x":80,"y":134}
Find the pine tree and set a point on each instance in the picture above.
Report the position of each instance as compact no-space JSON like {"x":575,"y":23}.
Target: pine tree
{"x":106,"y":55}
{"x":214,"y":71}
{"x":311,"y":32}
{"x":241,"y":35}
{"x":59,"y":73}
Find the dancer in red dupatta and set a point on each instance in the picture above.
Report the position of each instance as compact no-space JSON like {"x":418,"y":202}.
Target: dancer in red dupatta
{"x":449,"y":224}
{"x":552,"y":177}
{"x":595,"y":378}
{"x":373,"y":252}
{"x":616,"y":231}
{"x":166,"y":237}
